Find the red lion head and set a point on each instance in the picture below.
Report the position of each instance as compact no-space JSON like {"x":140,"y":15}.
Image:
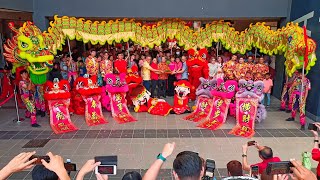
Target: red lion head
{"x":57,"y":90}
{"x":197,"y":58}
{"x":87,"y":86}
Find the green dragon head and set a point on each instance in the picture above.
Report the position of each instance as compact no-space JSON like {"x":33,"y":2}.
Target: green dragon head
{"x":28,"y":48}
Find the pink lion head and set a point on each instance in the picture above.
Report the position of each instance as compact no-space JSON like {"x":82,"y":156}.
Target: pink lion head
{"x":116,"y":83}
{"x":226,"y":89}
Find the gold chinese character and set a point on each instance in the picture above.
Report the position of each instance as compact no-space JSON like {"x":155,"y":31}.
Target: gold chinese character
{"x":118,"y":97}
{"x":203,"y":105}
{"x":212,"y":123}
{"x":94,"y":116}
{"x":217,"y":113}
{"x":59,"y":116}
{"x":246,"y":106}
{"x":219,"y":103}
{"x":246,"y":118}
{"x":93,"y":104}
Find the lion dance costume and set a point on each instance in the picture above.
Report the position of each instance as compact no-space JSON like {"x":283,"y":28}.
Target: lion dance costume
{"x":181,"y":97}
{"x":204,"y":100}
{"x":28,"y":48}
{"x":248,"y":100}
{"x":57,"y":93}
{"x":117,"y":88}
{"x":91,"y":94}
{"x":222,"y":96}
{"x":144,"y":103}
{"x":197,"y":67}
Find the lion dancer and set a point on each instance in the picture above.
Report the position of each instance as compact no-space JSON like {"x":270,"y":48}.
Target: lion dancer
{"x":106,"y":67}
{"x":300,"y":87}
{"x":229,"y":68}
{"x":25,"y":87}
{"x":285,"y":94}
{"x":197,"y":67}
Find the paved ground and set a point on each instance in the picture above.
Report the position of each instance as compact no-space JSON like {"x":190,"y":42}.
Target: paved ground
{"x":137,"y":144}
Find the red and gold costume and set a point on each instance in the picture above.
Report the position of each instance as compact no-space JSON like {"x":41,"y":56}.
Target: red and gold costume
{"x":241,"y":70}
{"x":133,"y":80}
{"x":260,"y":68}
{"x":181,"y":97}
{"x":197,"y":67}
{"x":250,"y":66}
{"x":144,"y":103}
{"x":120,"y":65}
{"x":229,"y":69}
{"x":105,"y":67}
{"x":92,"y":66}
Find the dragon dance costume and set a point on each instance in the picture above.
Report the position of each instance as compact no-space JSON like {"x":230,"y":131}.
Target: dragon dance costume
{"x":298,"y":97}
{"x":285,"y":94}
{"x":27,"y":99}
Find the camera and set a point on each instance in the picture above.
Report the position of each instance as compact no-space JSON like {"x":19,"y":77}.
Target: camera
{"x":38,"y":161}
{"x":312,"y":126}
{"x":255,"y":171}
{"x":108,"y":165}
{"x":251,"y":143}
{"x":282,"y":167}
{"x":209,"y":169}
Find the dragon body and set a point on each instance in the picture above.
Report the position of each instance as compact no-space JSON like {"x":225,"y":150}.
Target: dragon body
{"x":288,"y":40}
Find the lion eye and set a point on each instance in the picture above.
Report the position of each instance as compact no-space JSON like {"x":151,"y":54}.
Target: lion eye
{"x":24,"y":45}
{"x":231,"y":88}
{"x":109,"y":81}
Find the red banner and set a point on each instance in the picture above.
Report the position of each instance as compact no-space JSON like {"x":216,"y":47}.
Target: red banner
{"x":217,"y":115}
{"x":93,"y":112}
{"x":59,"y":116}
{"x":119,"y":108}
{"x":246,"y":111}
{"x":202,"y":110}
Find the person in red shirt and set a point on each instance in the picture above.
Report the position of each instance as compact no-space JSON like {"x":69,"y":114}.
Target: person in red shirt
{"x":265,"y":153}
{"x":120,"y":65}
{"x":315,"y":151}
{"x":154,"y":77}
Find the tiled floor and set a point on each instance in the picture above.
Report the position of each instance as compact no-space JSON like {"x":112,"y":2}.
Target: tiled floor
{"x":138,"y":143}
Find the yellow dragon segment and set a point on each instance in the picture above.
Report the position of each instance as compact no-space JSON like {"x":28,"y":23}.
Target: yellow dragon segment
{"x":288,"y":40}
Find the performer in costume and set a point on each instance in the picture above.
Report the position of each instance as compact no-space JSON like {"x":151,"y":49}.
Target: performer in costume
{"x":285,"y":94}
{"x":106,"y":66}
{"x":197,"y":67}
{"x":92,"y":65}
{"x":120,"y":65}
{"x":72,"y":70}
{"x":58,"y":97}
{"x":39,"y":100}
{"x":241,"y":69}
{"x":181,"y":97}
{"x":25,"y":87}
{"x":144,"y":103}
{"x":261,"y":68}
{"x":250,"y":63}
{"x":229,"y":68}
{"x":133,"y":80}
{"x":204,"y":100}
{"x":297,"y":90}
{"x":117,"y":88}
{"x":91,"y":94}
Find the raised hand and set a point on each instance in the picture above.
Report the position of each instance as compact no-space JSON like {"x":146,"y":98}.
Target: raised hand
{"x":168,"y":149}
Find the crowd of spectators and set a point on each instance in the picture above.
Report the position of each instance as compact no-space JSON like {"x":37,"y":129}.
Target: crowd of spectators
{"x":159,"y":67}
{"x":187,"y":165}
